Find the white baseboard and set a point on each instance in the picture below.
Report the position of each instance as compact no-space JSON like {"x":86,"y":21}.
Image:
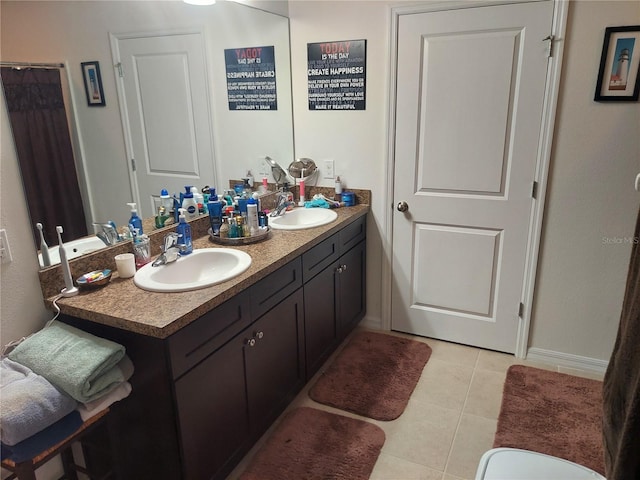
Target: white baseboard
{"x":372,"y":323}
{"x":567,"y":360}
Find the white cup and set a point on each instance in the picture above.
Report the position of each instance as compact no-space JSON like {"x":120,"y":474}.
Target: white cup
{"x":126,"y":265}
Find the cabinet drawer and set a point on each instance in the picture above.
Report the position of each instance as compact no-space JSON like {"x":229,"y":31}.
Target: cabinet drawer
{"x":201,"y":338}
{"x":352,"y":234}
{"x":319,"y":257}
{"x":269,"y":291}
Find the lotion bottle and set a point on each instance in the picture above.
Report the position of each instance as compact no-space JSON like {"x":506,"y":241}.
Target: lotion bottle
{"x":189,"y":204}
{"x":184,"y":231}
{"x":135,"y":219}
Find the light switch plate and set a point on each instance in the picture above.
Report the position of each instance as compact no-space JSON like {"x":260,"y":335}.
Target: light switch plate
{"x":329,"y":171}
{"x":5,"y":251}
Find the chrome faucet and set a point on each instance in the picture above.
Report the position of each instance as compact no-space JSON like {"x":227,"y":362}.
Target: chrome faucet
{"x":108,"y":233}
{"x":281,"y":205}
{"x":170,"y":250}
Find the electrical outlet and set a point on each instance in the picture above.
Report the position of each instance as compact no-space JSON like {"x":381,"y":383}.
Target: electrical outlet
{"x":5,"y":251}
{"x":329,"y":171}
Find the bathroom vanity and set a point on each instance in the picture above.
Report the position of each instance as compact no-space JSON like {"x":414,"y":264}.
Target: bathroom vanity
{"x":216,"y":366}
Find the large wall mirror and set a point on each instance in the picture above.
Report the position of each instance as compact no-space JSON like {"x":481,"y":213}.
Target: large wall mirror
{"x":104,"y":145}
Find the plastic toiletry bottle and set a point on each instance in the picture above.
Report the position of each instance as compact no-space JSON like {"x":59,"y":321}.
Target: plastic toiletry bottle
{"x":165,"y":200}
{"x":184,"y":231}
{"x":247,"y":188}
{"x":189,"y":204}
{"x":198,"y":198}
{"x":135,"y":219}
{"x":224,"y":228}
{"x":215,"y":215}
{"x":252,"y":216}
{"x":338,"y":193}
{"x":205,"y":203}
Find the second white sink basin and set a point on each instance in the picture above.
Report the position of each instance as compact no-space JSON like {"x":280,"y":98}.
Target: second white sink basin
{"x":301,"y":218}
{"x":202,"y":268}
{"x":73,"y":249}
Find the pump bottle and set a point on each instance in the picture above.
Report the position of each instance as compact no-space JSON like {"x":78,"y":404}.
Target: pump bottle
{"x":184,"y":231}
{"x":189,"y":204}
{"x":135,"y":220}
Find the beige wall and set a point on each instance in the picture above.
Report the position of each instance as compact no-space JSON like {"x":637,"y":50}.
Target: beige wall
{"x":591,"y":204}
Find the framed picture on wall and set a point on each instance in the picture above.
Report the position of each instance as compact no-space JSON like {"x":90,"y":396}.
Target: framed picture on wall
{"x":619,"y":74}
{"x":93,"y":84}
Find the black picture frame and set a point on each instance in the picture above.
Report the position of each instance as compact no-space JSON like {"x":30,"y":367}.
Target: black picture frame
{"x":619,"y":73}
{"x":93,"y":84}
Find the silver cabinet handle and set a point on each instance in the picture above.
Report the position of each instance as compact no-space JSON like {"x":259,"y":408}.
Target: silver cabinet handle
{"x":402,"y":206}
{"x":258,"y":335}
{"x":250,"y":342}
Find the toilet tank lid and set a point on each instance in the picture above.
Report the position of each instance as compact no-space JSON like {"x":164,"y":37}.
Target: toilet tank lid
{"x":517,"y":464}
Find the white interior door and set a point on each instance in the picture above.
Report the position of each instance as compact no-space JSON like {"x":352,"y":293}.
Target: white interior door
{"x":166,"y":108}
{"x":469,"y":103}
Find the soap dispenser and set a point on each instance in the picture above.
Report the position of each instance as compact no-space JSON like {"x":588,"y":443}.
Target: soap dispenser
{"x":189,"y":204}
{"x":184,"y":232}
{"x":135,"y":219}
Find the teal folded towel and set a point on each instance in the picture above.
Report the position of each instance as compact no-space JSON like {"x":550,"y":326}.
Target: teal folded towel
{"x":317,"y":203}
{"x":28,"y":403}
{"x":82,"y":365}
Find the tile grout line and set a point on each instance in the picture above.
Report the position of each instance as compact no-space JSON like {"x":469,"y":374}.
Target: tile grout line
{"x":464,"y":405}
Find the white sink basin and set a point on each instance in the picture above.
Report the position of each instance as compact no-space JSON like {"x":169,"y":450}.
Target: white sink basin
{"x":74,"y":248}
{"x":202,"y":268}
{"x":301,"y":218}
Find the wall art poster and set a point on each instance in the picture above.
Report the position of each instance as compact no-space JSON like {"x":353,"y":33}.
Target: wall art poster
{"x":251,"y":78}
{"x":619,"y":73}
{"x":336,"y":73}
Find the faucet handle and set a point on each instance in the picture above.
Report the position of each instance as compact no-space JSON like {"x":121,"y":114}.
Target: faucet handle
{"x":170,"y":240}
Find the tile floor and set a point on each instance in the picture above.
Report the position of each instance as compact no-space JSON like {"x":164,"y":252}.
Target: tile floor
{"x":450,"y":420}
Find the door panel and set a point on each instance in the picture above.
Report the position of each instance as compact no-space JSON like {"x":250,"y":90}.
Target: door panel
{"x":164,"y":85}
{"x":471,"y":85}
{"x":455,"y":269}
{"x":469,"y":158}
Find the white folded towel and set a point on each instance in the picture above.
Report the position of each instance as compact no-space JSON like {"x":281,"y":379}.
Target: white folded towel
{"x":88,"y":410}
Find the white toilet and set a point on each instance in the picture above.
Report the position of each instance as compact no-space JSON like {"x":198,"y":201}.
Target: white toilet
{"x":515,"y":464}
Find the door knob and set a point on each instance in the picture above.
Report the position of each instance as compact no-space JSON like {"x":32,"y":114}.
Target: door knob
{"x":402,"y":206}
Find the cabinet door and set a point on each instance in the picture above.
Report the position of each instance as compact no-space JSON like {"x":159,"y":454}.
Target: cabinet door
{"x":320,"y":326}
{"x":274,"y":358}
{"x":351,"y":299}
{"x":212,"y":412}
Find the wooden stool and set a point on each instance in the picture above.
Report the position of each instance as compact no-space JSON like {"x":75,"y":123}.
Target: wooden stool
{"x":26,"y":470}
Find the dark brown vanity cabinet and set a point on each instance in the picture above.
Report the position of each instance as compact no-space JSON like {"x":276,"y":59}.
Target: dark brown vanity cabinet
{"x":334,"y":291}
{"x":231,"y":397}
{"x":202,"y":397}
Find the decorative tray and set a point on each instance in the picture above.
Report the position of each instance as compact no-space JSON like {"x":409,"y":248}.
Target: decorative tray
{"x":262,"y":235}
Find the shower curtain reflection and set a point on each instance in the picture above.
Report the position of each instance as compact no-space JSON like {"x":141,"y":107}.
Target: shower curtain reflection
{"x":43,"y":145}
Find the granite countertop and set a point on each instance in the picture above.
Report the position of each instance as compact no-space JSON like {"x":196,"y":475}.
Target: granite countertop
{"x":122,"y":305}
